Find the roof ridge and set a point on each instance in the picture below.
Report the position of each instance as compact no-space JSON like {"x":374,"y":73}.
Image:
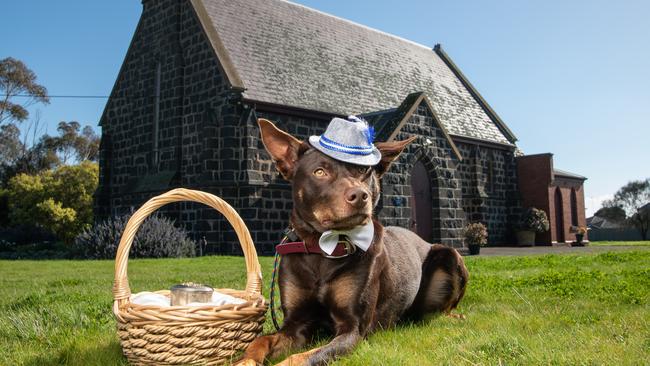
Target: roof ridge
{"x":359,"y":25}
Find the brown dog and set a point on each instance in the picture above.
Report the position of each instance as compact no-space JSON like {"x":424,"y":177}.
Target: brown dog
{"x":399,"y":276}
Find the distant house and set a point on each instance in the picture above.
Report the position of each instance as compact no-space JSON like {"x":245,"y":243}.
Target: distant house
{"x":198,"y":74}
{"x":597,"y":223}
{"x":601,"y":229}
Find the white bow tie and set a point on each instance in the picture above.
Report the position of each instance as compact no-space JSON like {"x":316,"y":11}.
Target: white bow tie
{"x":360,"y":236}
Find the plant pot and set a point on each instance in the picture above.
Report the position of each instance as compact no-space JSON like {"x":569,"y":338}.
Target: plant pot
{"x":525,"y":238}
{"x":474,"y":249}
{"x":578,"y":241}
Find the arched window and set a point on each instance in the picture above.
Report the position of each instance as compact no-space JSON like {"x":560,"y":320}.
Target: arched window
{"x":574,"y":207}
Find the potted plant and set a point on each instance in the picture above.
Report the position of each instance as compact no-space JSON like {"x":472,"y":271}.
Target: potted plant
{"x":475,"y":235}
{"x":532,"y":221}
{"x":580,"y":232}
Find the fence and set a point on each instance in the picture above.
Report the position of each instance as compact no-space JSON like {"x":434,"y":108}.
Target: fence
{"x":627,"y":234}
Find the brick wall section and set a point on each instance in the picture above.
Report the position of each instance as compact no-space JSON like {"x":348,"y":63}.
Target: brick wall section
{"x":566,"y":187}
{"x":535,"y":174}
{"x":538,"y":185}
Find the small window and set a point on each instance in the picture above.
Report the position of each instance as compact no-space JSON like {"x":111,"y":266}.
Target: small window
{"x":490,"y":175}
{"x":156,"y":116}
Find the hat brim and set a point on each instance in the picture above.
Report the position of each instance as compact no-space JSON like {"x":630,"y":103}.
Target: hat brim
{"x":367,"y":160}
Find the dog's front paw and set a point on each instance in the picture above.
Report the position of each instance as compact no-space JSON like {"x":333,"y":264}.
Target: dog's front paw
{"x":247,"y":362}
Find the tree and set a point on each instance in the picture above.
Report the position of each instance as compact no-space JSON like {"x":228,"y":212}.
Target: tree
{"x":11,"y":148}
{"x":22,"y":160}
{"x":612,"y":213}
{"x":67,"y":140}
{"x":59,"y":200}
{"x":87,"y":145}
{"x":70,"y":143}
{"x":633,"y":198}
{"x":18,"y":81}
{"x":46,"y":152}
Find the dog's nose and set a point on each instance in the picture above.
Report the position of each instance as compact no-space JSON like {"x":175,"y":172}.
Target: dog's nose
{"x":356,"y":196}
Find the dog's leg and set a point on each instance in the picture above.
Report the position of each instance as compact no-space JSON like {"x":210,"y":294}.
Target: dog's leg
{"x":350,"y":323}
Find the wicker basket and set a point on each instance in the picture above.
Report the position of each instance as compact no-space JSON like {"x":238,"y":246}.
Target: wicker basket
{"x":206,"y":335}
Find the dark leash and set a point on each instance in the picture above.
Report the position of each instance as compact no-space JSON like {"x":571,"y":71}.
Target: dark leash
{"x":276,"y":269}
{"x":287,"y":235}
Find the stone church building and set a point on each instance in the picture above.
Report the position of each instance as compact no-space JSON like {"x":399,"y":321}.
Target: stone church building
{"x":198,"y":74}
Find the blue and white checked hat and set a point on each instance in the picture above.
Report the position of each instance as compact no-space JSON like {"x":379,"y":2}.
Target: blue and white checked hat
{"x":349,"y":141}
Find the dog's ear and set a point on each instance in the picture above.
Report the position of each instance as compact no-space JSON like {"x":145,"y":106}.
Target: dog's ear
{"x":284,"y":148}
{"x":390,"y":151}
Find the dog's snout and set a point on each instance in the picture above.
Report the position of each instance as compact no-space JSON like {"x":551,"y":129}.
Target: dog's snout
{"x":356,"y":196}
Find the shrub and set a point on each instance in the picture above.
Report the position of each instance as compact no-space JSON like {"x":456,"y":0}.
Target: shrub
{"x":475,"y":233}
{"x":157,"y":237}
{"x":35,"y":250}
{"x":534,"y":219}
{"x":6,"y":245}
{"x":26,"y":234}
{"x":59,"y":200}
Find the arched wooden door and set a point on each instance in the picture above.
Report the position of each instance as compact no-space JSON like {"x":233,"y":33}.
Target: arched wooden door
{"x":421,"y":209}
{"x":559,"y":216}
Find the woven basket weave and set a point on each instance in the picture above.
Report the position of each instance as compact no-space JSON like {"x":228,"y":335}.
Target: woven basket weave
{"x":208,"y":335}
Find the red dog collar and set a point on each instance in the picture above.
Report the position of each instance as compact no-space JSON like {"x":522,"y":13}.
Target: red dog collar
{"x":343,"y":249}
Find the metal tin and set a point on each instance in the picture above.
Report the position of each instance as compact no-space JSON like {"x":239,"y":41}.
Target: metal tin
{"x":187,"y":293}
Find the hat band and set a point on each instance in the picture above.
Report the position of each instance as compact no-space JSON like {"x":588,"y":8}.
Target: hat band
{"x":335,"y":146}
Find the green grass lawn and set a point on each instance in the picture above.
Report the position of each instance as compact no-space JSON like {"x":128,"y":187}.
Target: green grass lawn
{"x":552,"y":309}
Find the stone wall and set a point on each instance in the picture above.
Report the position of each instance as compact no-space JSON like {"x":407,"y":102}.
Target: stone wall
{"x":198,"y":140}
{"x":489,"y":189}
{"x":198,"y":133}
{"x":269,"y":201}
{"x":441,"y":164}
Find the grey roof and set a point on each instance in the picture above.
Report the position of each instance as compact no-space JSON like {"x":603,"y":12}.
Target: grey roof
{"x":288,"y":54}
{"x":597,"y":222}
{"x":564,"y":173}
{"x":645,"y":207}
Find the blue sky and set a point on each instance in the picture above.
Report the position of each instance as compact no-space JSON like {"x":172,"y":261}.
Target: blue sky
{"x":568,"y":77}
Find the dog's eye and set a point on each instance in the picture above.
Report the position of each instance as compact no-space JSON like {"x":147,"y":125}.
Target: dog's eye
{"x":319,"y":172}
{"x":362,"y":169}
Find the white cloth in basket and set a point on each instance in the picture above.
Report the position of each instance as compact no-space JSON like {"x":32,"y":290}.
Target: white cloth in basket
{"x":150,"y":298}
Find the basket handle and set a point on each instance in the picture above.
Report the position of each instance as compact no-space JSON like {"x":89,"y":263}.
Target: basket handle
{"x":121,"y":290}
